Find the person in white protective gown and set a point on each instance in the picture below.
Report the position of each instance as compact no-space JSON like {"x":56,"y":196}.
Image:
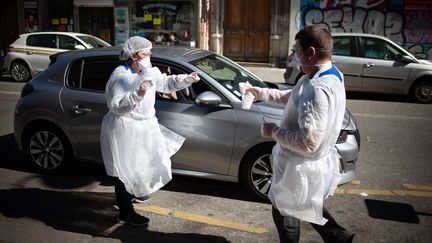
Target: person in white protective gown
{"x":305,"y":160}
{"x":136,"y":149}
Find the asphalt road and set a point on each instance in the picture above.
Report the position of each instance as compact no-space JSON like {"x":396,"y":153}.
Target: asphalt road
{"x":390,"y":200}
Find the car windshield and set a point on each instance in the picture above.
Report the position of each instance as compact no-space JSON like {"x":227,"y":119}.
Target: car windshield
{"x":92,"y":41}
{"x":227,"y":73}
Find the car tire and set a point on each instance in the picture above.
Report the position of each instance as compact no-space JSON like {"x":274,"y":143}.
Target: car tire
{"x":47,"y":149}
{"x":19,"y":71}
{"x":257,"y":171}
{"x":422,"y":92}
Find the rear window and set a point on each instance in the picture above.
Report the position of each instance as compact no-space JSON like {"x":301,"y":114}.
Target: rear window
{"x":44,"y":40}
{"x":91,"y":74}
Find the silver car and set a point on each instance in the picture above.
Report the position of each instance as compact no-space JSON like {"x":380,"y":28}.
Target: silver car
{"x":58,"y":117}
{"x":30,"y":53}
{"x":373,"y":63}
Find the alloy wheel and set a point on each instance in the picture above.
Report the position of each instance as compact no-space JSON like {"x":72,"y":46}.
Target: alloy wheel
{"x":423,"y":92}
{"x":20,"y":72}
{"x":261,"y":173}
{"x":46,"y":150}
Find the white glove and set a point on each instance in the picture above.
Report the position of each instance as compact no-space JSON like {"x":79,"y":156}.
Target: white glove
{"x":144,"y":86}
{"x":192,"y":78}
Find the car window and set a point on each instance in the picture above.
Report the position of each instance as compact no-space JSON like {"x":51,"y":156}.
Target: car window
{"x":344,"y":46}
{"x":44,"y":40}
{"x":91,"y":74}
{"x":92,"y":41}
{"x":67,"y":42}
{"x":227,"y":73}
{"x":380,"y":49}
{"x":185,"y":95}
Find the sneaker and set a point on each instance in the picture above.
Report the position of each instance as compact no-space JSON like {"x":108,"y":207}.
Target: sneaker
{"x":133,"y":219}
{"x":140,"y":199}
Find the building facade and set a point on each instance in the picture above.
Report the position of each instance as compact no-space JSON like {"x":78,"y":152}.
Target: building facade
{"x":260,"y":31}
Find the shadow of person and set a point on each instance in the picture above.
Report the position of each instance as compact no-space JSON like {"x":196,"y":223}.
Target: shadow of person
{"x":400,"y":212}
{"x":10,"y":155}
{"x":75,"y":212}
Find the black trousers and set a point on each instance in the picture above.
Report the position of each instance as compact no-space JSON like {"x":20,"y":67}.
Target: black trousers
{"x":124,"y":198}
{"x":289,"y":228}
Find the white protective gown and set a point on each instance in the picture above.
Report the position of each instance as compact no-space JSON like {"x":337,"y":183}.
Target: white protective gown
{"x":135,"y":148}
{"x":305,"y":161}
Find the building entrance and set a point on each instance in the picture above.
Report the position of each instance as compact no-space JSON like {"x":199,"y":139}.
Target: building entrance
{"x":247,"y":30}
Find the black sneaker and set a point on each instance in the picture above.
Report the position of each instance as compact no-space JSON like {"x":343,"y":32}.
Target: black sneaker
{"x":133,"y":219}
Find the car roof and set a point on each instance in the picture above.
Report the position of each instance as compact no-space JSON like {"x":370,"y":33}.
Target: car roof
{"x":358,"y":34}
{"x":55,"y":33}
{"x":182,"y":53}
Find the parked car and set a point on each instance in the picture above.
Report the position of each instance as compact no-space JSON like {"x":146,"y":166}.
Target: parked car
{"x":373,"y":63}
{"x":29,"y":54}
{"x":58,"y":117}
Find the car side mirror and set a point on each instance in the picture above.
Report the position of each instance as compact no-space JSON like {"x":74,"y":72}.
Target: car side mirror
{"x":79,"y":47}
{"x":208,"y":98}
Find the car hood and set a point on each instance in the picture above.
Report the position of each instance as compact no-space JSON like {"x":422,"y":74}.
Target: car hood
{"x":427,"y":62}
{"x":276,"y":111}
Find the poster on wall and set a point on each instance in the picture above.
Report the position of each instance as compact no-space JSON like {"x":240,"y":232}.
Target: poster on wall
{"x":30,"y":16}
{"x":121,"y":19}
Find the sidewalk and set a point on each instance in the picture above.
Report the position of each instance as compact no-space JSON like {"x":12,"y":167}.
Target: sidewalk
{"x":274,"y":75}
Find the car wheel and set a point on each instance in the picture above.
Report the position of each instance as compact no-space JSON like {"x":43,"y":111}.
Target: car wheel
{"x":20,"y":71}
{"x":257,"y":171}
{"x":422,"y":92}
{"x":47,"y":149}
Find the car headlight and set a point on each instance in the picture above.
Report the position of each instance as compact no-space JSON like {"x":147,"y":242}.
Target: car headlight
{"x":342,"y":137}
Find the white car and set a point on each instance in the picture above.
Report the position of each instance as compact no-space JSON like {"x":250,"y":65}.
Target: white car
{"x":29,"y":54}
{"x":373,"y":63}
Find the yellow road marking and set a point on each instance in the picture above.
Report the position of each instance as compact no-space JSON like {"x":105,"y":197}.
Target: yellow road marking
{"x":370,"y":192}
{"x":153,"y":209}
{"x":415,"y":193}
{"x":200,"y":218}
{"x":178,"y":214}
{"x":418,"y":187}
{"x":219,"y":222}
{"x":355,"y":182}
{"x":340,"y":191}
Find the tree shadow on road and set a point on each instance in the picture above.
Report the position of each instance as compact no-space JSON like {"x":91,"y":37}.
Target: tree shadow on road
{"x":75,"y":212}
{"x":82,"y":174}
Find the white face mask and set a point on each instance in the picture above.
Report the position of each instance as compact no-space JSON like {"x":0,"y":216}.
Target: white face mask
{"x":145,"y":63}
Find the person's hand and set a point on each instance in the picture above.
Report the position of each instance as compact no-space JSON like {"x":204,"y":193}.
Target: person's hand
{"x":145,"y":85}
{"x":191,"y":78}
{"x":256,"y":91}
{"x":195,"y":75}
{"x":267,"y":129}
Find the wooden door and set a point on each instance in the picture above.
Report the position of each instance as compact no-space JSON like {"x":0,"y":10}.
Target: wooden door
{"x":247,"y":30}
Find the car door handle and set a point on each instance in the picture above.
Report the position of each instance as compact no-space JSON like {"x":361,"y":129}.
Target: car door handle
{"x":368,"y":65}
{"x":29,"y":52}
{"x":80,"y":110}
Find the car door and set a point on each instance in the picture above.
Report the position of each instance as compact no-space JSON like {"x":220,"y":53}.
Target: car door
{"x":209,"y":130}
{"x":346,"y":58}
{"x":382,"y":71}
{"x":38,"y":49}
{"x":84,"y":102}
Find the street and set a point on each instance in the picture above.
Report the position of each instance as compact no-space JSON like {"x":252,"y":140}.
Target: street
{"x":389,"y":201}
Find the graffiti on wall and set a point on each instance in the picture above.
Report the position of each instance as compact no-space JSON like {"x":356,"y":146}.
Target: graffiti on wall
{"x":411,"y":29}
